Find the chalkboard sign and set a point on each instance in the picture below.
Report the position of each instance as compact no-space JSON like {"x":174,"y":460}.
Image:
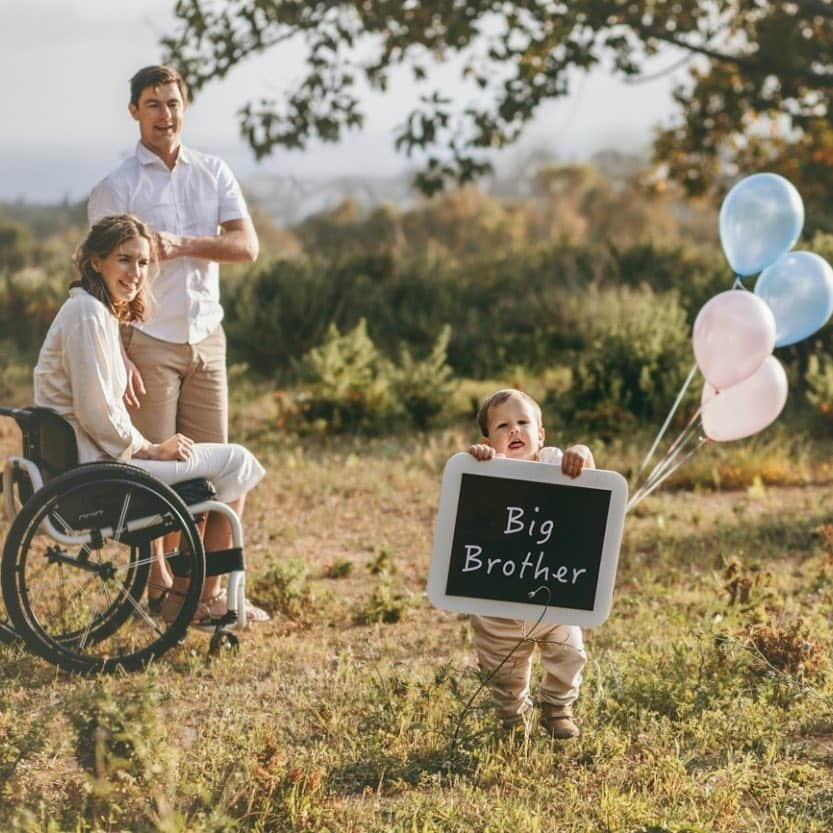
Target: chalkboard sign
{"x":516,"y":539}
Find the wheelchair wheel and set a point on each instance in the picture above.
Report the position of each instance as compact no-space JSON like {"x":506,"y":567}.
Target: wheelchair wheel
{"x":76,"y":562}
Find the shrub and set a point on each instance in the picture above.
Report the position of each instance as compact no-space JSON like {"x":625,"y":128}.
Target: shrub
{"x":819,"y":379}
{"x":348,"y":385}
{"x":284,"y":587}
{"x":347,"y":382}
{"x":29,"y":300}
{"x":422,"y":388}
{"x":636,"y":362}
{"x":388,"y":603}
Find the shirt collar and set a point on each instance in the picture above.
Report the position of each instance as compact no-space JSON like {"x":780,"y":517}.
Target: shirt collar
{"x":148,"y":157}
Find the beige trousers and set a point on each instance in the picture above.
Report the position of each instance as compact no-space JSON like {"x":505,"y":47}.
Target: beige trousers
{"x":187,"y":386}
{"x":562,"y":657}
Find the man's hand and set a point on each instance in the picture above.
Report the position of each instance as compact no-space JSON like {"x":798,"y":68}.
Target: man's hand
{"x":168,"y":246}
{"x":236,"y":243}
{"x":135,"y":385}
{"x":575,"y":459}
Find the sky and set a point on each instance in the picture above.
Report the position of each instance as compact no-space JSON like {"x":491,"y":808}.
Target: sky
{"x":65,"y":122}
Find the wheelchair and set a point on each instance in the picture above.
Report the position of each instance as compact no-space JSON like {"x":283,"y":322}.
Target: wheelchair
{"x":76,"y":561}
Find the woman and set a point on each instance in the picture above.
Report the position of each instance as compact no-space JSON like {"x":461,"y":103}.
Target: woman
{"x":81,"y":374}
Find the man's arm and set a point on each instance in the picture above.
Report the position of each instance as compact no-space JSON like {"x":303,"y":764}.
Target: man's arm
{"x":236,"y":243}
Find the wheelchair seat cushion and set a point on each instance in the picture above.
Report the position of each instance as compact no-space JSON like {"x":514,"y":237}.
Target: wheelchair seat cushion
{"x":195,"y":491}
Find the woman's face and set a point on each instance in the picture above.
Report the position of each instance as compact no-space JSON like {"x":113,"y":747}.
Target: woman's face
{"x":125,"y":269}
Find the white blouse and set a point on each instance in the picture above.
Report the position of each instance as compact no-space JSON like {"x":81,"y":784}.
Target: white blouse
{"x":80,"y":374}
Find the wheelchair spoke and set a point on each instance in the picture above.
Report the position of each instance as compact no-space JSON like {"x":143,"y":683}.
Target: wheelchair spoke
{"x":68,"y":530}
{"x":139,"y":562}
{"x":86,"y":635}
{"x":120,"y":526}
{"x":141,"y":612}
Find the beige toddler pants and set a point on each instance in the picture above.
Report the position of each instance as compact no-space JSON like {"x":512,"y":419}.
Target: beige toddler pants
{"x":562,"y":656}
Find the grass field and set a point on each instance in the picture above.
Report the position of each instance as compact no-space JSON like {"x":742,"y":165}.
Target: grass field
{"x":707,"y":702}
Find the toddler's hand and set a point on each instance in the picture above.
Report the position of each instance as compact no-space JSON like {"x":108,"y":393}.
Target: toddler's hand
{"x":576,"y":458}
{"x":481,"y":451}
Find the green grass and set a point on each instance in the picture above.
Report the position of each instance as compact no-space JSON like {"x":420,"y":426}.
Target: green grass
{"x":347,"y":712}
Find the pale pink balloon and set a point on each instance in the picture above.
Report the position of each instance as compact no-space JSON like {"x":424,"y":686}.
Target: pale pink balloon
{"x":746,"y":408}
{"x":733,"y":333}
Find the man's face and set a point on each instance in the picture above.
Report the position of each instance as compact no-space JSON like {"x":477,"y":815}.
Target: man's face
{"x":159,"y":113}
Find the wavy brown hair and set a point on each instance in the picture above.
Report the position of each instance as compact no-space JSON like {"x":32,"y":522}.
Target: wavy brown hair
{"x":105,"y":236}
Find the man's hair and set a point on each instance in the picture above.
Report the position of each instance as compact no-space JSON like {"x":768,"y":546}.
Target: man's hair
{"x":155,"y":76}
{"x":497,"y":398}
{"x":102,"y":239}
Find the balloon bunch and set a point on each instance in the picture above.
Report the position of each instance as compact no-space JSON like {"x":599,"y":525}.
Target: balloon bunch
{"x":735,"y":332}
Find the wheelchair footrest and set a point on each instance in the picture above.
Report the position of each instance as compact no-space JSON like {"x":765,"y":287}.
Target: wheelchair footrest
{"x":217,"y":563}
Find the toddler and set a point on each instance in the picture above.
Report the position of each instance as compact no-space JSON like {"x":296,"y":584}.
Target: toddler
{"x":510,"y":422}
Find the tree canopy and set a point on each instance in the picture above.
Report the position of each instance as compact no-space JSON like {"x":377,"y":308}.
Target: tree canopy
{"x":759,"y":81}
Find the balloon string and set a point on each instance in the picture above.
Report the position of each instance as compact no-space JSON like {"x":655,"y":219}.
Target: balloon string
{"x":667,"y":422}
{"x":673,"y":447}
{"x":738,"y":284}
{"x":662,"y":469}
{"x":671,"y":455}
{"x":640,"y":496}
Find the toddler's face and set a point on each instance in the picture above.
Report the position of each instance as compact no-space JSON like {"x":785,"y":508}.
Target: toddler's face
{"x":514,"y":430}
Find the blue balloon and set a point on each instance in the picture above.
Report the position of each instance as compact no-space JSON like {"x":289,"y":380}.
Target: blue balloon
{"x":799,"y":290}
{"x":760,"y":220}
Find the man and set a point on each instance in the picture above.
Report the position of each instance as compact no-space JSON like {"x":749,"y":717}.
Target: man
{"x":194,"y":205}
{"x":176,"y":360}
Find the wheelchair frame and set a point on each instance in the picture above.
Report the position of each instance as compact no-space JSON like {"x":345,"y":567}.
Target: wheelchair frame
{"x":52,"y":487}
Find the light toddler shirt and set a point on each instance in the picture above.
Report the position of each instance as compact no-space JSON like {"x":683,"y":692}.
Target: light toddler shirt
{"x":550,"y":454}
{"x":192,"y":200}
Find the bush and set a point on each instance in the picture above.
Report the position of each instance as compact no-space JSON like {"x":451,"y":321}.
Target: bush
{"x":819,"y":379}
{"x":636,"y":362}
{"x":422,"y":388}
{"x":348,"y":385}
{"x":29,"y":301}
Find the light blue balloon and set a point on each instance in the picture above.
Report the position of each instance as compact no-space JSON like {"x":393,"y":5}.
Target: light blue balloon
{"x":799,"y":290}
{"x":760,"y":220}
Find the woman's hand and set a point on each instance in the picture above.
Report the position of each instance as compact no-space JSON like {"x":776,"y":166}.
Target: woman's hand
{"x":178,"y":447}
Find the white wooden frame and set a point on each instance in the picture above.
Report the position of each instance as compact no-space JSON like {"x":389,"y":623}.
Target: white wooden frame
{"x":599,"y":479}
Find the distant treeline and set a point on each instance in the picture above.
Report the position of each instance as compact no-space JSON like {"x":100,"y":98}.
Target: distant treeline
{"x":463,"y":286}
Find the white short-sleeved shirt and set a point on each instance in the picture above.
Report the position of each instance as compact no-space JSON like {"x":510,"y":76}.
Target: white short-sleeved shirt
{"x":191,"y":200}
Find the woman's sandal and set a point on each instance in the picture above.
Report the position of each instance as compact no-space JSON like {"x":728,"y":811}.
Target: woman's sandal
{"x":210,"y":610}
{"x":215,"y":607}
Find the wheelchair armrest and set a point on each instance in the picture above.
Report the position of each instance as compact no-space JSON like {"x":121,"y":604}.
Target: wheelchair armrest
{"x":195,"y":491}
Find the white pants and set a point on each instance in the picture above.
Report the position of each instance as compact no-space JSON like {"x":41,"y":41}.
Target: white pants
{"x":232,"y":469}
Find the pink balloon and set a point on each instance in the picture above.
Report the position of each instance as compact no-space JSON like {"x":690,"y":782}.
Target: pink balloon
{"x":733,"y":333}
{"x":746,"y":408}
